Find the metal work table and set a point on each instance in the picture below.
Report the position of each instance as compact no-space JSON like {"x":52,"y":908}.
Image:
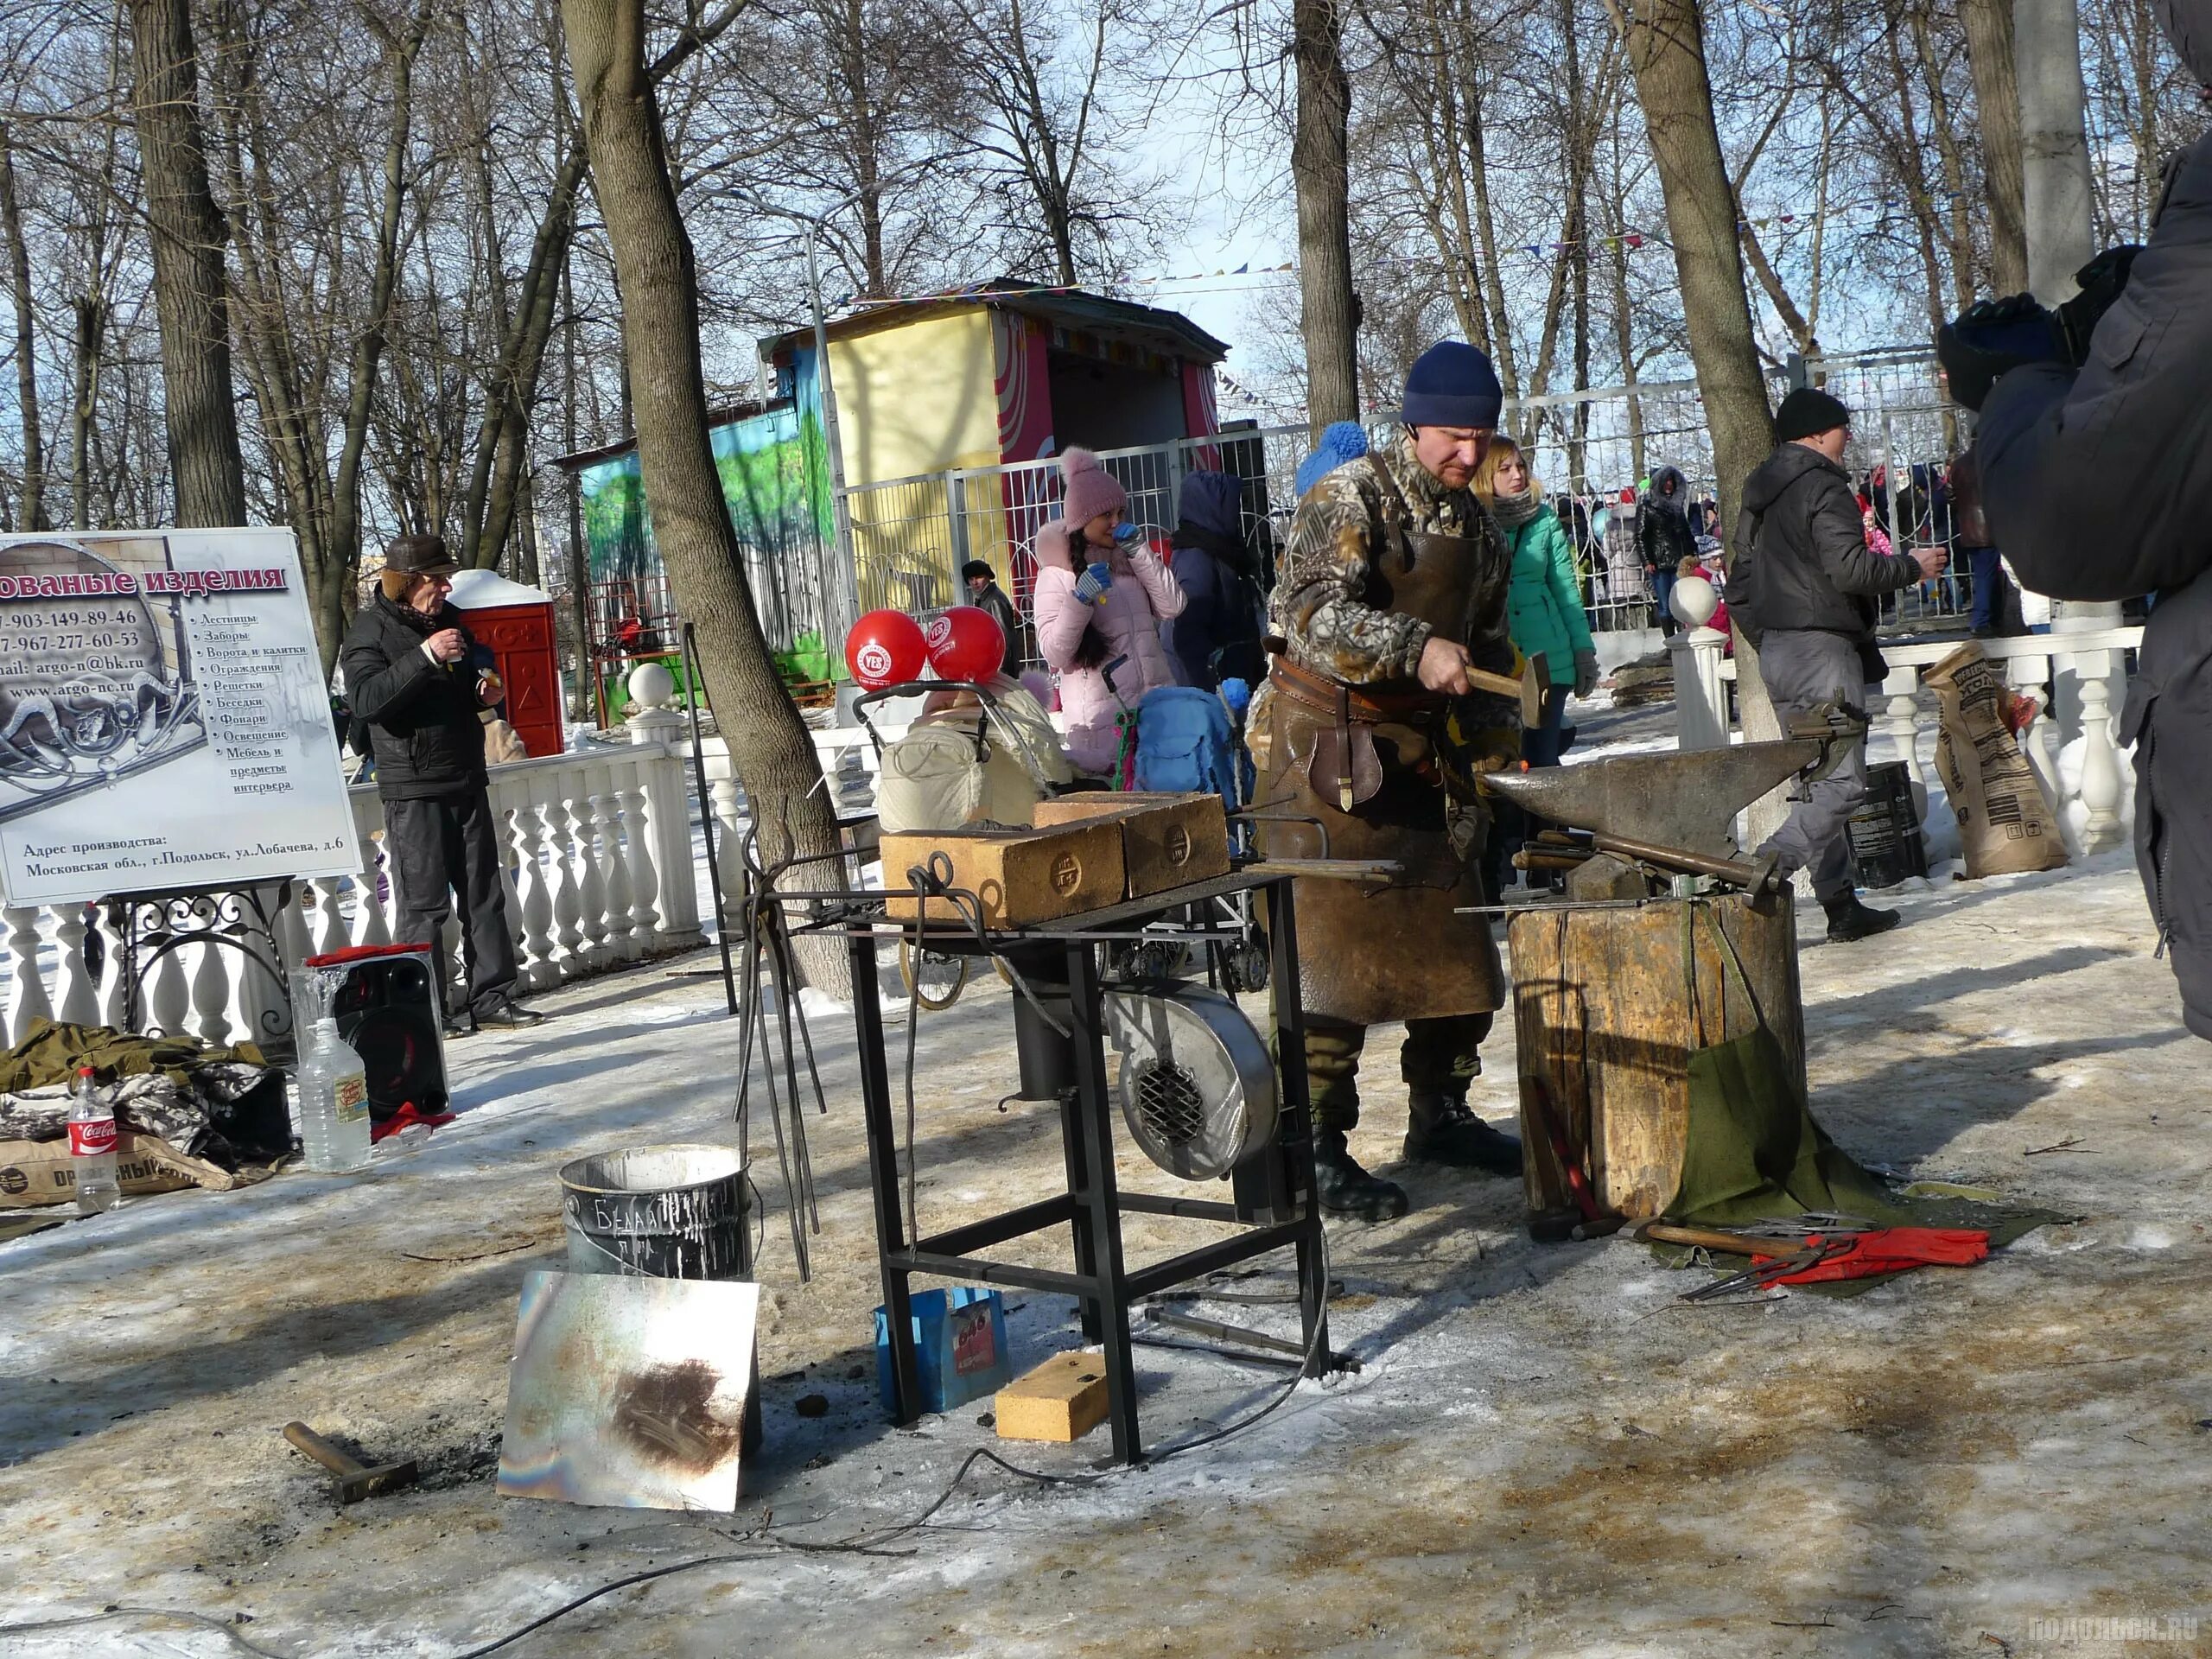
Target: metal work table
{"x":1092,"y":1205}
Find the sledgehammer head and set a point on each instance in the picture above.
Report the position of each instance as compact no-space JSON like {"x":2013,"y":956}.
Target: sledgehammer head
{"x":351,"y":1482}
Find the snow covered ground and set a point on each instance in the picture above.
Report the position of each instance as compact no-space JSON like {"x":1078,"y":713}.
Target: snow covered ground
{"x":1544,"y":1454}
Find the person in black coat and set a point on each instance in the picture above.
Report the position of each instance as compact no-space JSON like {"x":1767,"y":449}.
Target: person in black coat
{"x":408,"y":680}
{"x":1802,"y":587}
{"x":1662,"y":530}
{"x":2096,"y":481}
{"x":1216,"y":636}
{"x":986,"y":595}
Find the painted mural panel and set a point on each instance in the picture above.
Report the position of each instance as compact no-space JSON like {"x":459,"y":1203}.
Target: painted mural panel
{"x":773,"y":477}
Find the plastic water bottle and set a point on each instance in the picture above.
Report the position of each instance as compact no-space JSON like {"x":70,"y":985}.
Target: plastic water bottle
{"x":334,"y":1101}
{"x":92,"y":1146}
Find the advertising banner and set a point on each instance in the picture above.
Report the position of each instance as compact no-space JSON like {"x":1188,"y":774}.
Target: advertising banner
{"x":164,"y":722}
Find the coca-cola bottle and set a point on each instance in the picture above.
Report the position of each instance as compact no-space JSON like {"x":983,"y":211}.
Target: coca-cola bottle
{"x":92,"y":1146}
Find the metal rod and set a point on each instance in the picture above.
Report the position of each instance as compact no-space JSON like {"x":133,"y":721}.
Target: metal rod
{"x":1211,"y":1258}
{"x":1151,"y":1204}
{"x":695,"y":683}
{"x":997,"y":1230}
{"x":969,"y":1268}
{"x":1242,"y":1335}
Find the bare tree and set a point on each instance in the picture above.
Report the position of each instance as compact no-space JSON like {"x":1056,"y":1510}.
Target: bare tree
{"x":768,"y":743}
{"x":1320,"y":168}
{"x":1666,"y":49}
{"x":1988,"y":25}
{"x":190,"y":290}
{"x":31,"y":510}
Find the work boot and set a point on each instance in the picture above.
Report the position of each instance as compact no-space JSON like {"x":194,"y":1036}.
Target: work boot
{"x":1441,"y":1130}
{"x":1849,"y":920}
{"x":1346,"y":1189}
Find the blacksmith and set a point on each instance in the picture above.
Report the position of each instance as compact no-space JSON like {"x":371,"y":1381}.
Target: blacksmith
{"x":1393,"y":585}
{"x":409,"y":679}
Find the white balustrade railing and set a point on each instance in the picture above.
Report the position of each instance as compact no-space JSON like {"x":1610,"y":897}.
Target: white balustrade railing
{"x":2081,"y":669}
{"x":600,"y":872}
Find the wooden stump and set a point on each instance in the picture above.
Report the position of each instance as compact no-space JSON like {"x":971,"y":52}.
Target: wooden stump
{"x":1604,"y":1018}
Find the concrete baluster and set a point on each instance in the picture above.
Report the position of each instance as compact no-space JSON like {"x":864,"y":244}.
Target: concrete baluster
{"x":567,"y":900}
{"x":27,"y":998}
{"x":535,"y":913}
{"x":606,"y":813}
{"x":591,"y":878}
{"x":2100,"y":780}
{"x":644,"y":884}
{"x":79,"y":1001}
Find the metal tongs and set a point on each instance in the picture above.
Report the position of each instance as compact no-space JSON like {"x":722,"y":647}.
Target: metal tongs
{"x":1795,"y":1243}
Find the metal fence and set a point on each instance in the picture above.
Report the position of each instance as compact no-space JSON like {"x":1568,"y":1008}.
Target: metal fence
{"x":910,"y":536}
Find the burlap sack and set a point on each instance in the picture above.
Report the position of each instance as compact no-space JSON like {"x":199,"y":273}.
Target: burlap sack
{"x":35,"y":1172}
{"x":2006,"y":825}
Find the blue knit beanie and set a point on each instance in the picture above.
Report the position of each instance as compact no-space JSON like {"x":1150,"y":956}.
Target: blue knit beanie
{"x":1452,"y":384}
{"x":1341,"y":440}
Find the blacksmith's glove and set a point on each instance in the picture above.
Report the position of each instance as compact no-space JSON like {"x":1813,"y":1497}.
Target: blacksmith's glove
{"x":1585,"y":672}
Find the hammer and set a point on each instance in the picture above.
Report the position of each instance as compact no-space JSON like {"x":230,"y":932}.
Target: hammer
{"x":354,"y":1481}
{"x":1528,"y":691}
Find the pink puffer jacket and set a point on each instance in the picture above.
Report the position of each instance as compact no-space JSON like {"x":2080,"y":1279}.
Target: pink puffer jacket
{"x":1144,"y":594}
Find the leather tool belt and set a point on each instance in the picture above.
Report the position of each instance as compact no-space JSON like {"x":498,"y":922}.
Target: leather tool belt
{"x":1344,"y":765}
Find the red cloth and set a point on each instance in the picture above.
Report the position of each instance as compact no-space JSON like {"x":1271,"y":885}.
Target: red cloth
{"x":406,"y":1118}
{"x":1889,"y":1249}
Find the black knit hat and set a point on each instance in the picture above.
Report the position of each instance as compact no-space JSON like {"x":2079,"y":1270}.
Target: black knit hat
{"x":976,"y":568}
{"x":1808,"y":412}
{"x":1452,"y":384}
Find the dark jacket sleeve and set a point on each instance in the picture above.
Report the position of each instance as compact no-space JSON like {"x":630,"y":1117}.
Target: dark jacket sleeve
{"x":375,"y":684}
{"x":1191,"y":636}
{"x":1838,"y":536}
{"x":2099,"y":486}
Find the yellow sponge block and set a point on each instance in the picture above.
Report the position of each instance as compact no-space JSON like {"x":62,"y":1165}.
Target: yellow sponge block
{"x":1063,"y":1399}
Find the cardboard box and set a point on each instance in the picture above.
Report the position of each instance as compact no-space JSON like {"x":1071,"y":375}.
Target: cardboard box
{"x":1021,"y":876}
{"x":35,"y":1172}
{"x":1063,"y":1399}
{"x":1167,"y":841}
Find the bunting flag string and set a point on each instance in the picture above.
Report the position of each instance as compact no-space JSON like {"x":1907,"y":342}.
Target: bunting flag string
{"x":1223,"y":279}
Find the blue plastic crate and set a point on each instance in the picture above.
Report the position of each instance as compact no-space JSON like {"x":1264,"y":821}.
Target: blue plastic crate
{"x":961,"y":1344}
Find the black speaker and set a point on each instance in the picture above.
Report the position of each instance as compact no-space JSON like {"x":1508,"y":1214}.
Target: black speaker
{"x":387,"y":1008}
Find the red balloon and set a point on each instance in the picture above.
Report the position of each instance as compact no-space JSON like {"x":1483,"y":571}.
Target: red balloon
{"x":886,"y":648}
{"x":966,"y":643}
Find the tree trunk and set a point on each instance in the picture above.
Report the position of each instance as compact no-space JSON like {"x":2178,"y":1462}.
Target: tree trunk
{"x":769,"y":746}
{"x":1996,"y":116}
{"x":84,"y":391}
{"x":1320,"y":168}
{"x":1666,"y":45}
{"x":190,"y":296}
{"x":33,"y":513}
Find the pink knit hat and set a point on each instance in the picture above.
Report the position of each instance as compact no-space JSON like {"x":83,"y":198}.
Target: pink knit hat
{"x":1091,"y":489}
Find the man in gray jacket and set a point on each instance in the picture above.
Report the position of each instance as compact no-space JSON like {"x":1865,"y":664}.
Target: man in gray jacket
{"x":2097,"y":482}
{"x":1802,"y":588}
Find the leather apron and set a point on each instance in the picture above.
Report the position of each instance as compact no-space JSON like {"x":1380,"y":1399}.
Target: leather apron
{"x":1374,"y":952}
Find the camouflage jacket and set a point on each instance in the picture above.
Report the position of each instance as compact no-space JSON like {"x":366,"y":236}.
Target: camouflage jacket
{"x":1319,"y":607}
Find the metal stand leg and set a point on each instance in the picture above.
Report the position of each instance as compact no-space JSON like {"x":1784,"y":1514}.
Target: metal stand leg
{"x":1298,"y":1113}
{"x":1100,"y":1202}
{"x":883,"y":1179}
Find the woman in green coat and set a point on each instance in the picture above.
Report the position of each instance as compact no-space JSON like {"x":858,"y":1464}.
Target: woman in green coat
{"x":1543,"y":608}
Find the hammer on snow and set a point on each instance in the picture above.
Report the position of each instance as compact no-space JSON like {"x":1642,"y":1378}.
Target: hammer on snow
{"x":352,"y":1481}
